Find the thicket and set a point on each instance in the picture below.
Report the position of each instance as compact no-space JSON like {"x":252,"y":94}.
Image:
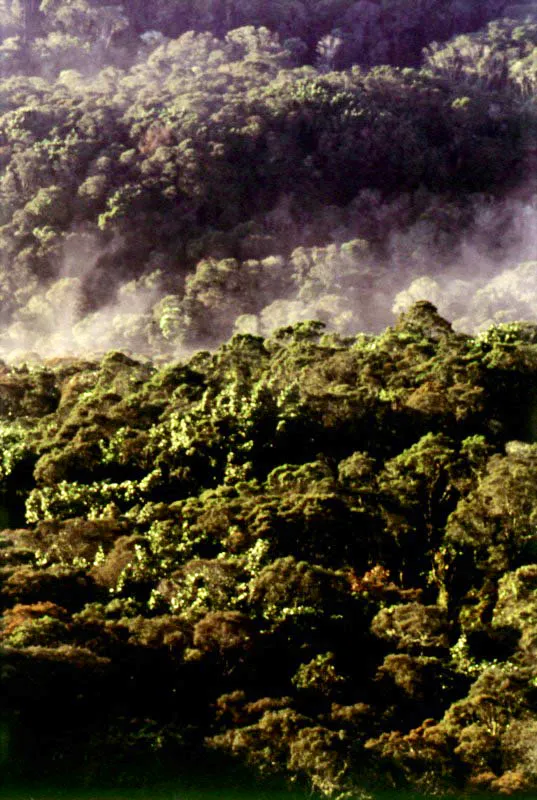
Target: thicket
{"x":309,"y":545}
{"x":52,"y":33}
{"x":161,"y":192}
{"x":311,"y":552}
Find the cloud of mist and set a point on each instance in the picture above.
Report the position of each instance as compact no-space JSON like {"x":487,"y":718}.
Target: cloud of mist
{"x":492,"y":279}
{"x":55,"y":320}
{"x":481,"y":274}
{"x":478,"y":274}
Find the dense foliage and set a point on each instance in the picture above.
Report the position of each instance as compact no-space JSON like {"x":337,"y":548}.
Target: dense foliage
{"x":161,"y":191}
{"x":314,"y":553}
{"x":309,"y":545}
{"x":340,"y":32}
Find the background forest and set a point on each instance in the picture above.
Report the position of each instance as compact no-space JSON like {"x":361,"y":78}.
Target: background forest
{"x":310,"y":543}
{"x":175,"y":172}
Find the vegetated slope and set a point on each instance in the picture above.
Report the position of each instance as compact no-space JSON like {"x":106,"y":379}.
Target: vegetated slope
{"x":314,"y":553}
{"x":211,"y":184}
{"x":88,"y":34}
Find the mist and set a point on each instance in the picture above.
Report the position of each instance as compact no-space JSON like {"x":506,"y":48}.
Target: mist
{"x":493,"y":278}
{"x":159,"y":195}
{"x":483,"y":276}
{"x":194,"y":545}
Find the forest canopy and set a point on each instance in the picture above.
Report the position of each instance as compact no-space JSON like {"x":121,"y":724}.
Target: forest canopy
{"x":313,"y":553}
{"x":221,"y":168}
{"x":268,"y":282}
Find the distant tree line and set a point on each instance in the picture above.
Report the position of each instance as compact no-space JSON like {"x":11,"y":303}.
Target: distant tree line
{"x":172,"y":201}
{"x":334,"y":34}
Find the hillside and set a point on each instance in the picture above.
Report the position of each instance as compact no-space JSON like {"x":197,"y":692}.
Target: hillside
{"x":268,"y":292}
{"x":160,"y":194}
{"x":314,"y":553}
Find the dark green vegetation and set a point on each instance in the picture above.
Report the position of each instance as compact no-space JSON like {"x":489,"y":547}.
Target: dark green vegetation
{"x":311,"y":549}
{"x":314,"y":553}
{"x":160,"y":193}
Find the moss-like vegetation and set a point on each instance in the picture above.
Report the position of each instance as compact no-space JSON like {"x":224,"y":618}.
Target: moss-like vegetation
{"x":237,"y":514}
{"x":312,"y":553}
